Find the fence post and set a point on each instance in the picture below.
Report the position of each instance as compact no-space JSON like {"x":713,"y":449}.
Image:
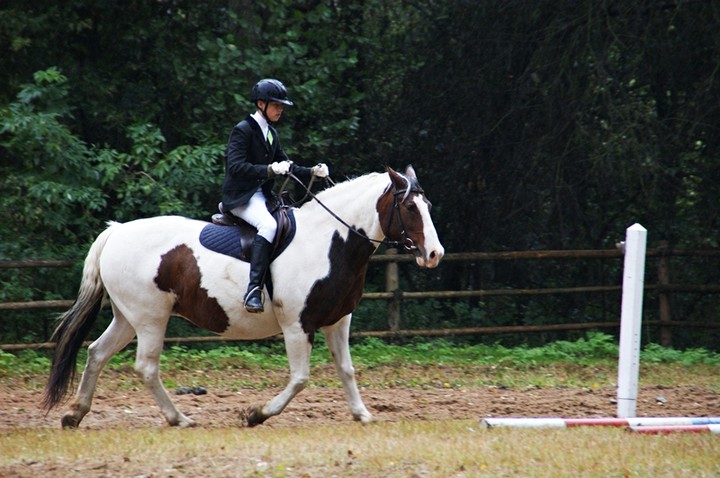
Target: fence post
{"x":392,"y":284}
{"x":631,"y":320}
{"x":664,"y":295}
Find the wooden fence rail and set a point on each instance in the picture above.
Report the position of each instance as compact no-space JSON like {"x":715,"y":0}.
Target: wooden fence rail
{"x":395,"y":296}
{"x":505,"y":329}
{"x":35,"y":263}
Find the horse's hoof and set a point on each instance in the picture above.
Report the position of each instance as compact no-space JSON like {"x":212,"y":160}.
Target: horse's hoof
{"x":252,"y":416}
{"x":187,"y":423}
{"x":182,"y":421}
{"x":365,"y":418}
{"x":69,"y":421}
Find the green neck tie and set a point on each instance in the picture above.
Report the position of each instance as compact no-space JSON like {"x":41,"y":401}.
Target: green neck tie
{"x":270,"y":137}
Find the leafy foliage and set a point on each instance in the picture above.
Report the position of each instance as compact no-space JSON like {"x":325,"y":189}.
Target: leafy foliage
{"x":532,"y":125}
{"x":58,"y":190}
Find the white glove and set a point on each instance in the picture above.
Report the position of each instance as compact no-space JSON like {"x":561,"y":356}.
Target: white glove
{"x":321,"y":170}
{"x":281,"y":168}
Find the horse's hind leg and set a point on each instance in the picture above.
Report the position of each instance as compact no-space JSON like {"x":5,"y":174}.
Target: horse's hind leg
{"x":337,"y":338}
{"x":118,"y":334}
{"x":150,"y":346}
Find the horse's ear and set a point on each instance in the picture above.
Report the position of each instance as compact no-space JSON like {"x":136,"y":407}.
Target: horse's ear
{"x":396,"y":178}
{"x":410,"y":172}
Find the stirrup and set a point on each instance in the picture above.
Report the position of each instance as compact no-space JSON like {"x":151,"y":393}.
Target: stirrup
{"x":254,"y":308}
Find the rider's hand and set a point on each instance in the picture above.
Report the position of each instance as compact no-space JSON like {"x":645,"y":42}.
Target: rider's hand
{"x":321,"y":170}
{"x":279,"y":169}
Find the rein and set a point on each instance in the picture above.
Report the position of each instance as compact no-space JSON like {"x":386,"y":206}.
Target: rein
{"x":406,"y":243}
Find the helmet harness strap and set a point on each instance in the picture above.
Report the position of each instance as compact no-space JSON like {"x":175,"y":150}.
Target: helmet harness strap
{"x":264,"y":111}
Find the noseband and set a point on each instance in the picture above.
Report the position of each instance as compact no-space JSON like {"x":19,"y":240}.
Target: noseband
{"x":406,"y":243}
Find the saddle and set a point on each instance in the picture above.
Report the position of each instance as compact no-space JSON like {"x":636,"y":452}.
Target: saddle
{"x":232,"y":236}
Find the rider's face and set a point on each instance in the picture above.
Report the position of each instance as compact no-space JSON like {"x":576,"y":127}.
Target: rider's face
{"x":274,"y":110}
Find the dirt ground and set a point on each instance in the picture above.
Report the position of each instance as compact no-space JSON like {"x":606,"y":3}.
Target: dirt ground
{"x":122,"y":403}
{"x":118,"y":404}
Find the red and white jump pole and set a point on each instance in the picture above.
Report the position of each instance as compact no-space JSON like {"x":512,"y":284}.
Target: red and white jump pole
{"x":636,"y":422}
{"x":664,"y":430}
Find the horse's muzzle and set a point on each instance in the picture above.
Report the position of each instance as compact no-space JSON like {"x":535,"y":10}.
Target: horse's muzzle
{"x":429,"y":259}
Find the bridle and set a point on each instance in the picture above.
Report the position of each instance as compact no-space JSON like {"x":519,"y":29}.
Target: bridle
{"x":406,"y":243}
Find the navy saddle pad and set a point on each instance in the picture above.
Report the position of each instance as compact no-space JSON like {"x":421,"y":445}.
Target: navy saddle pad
{"x":235,"y":241}
{"x":223,"y":239}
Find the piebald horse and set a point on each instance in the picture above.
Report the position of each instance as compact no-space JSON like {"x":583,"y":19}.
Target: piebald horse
{"x":156,"y":267}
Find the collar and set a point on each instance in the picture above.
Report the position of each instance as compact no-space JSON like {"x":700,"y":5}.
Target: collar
{"x":262,"y":122}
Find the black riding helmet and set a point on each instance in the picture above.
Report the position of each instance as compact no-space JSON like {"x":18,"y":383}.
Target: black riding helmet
{"x":269,"y":90}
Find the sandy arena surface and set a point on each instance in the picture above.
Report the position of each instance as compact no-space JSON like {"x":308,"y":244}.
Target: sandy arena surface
{"x":119,"y":404}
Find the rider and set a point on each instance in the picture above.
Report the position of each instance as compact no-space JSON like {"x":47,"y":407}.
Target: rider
{"x":253,"y":157}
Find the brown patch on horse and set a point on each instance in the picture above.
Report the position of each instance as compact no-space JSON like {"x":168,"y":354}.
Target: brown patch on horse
{"x":179,"y":273}
{"x":405,"y":216}
{"x":339,"y":293}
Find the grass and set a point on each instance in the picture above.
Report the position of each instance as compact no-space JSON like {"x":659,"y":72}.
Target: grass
{"x":596,"y":348}
{"x":409,"y":449}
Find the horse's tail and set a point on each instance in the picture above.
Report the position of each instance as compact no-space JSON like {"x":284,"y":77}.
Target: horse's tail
{"x":75,"y":324}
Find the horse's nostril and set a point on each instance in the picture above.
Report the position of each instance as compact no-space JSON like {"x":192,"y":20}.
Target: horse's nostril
{"x":432,"y":255}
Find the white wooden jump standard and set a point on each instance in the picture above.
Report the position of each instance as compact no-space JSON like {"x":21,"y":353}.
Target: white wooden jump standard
{"x":630,"y":320}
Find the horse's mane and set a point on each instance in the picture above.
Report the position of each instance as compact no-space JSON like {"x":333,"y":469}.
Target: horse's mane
{"x":340,"y":187}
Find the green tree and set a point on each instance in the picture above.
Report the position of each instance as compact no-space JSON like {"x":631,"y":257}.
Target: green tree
{"x":531,"y":124}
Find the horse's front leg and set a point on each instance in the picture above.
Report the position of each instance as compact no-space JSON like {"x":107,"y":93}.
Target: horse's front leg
{"x":337,"y":337}
{"x":298,"y":347}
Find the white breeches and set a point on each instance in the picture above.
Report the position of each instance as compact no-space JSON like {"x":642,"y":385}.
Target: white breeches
{"x":256,"y":214}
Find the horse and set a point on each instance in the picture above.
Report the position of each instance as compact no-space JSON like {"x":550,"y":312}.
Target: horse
{"x":154,"y":268}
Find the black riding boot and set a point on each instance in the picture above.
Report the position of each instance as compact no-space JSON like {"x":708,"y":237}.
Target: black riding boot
{"x":259,"y":261}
